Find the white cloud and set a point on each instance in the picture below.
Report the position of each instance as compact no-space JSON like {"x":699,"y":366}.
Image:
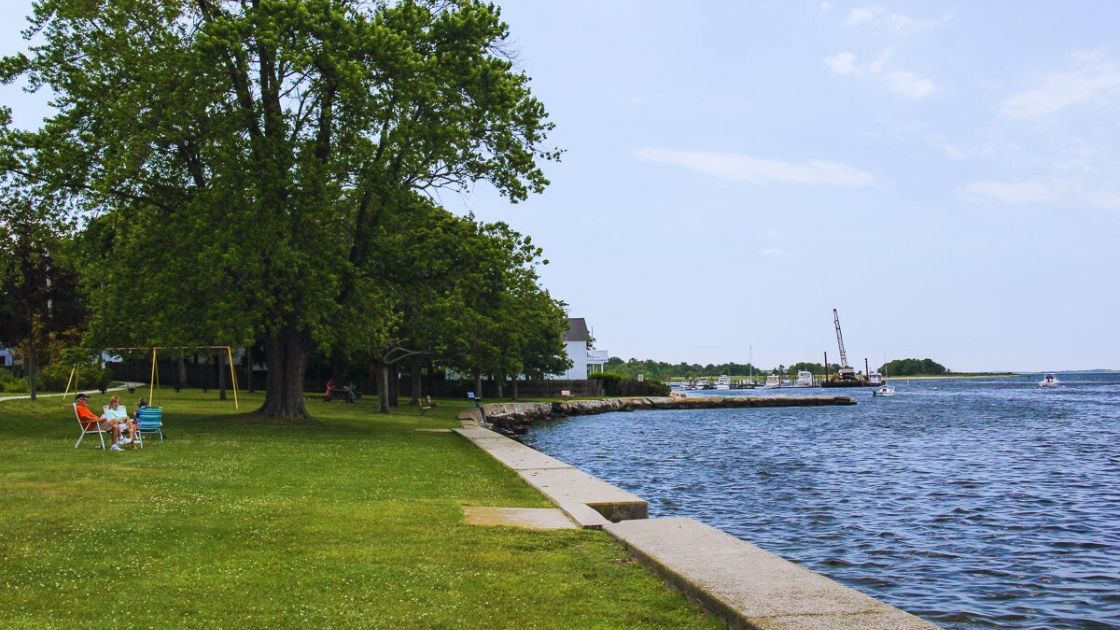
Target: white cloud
{"x":1094,"y":79}
{"x":881,"y":61}
{"x":905,"y":84}
{"x":947,"y":147}
{"x":862,"y":15}
{"x":877,"y":18}
{"x":771,"y":252}
{"x":1107,"y":199}
{"x":1018,"y":192}
{"x":744,"y":168}
{"x":909,"y":85}
{"x":841,"y":63}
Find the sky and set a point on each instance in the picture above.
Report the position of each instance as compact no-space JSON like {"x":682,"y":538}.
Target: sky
{"x":945,"y":174}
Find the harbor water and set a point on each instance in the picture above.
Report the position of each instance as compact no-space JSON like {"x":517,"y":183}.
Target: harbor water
{"x":974,"y":503}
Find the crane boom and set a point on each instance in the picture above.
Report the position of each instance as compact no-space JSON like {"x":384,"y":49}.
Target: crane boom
{"x":840,"y":339}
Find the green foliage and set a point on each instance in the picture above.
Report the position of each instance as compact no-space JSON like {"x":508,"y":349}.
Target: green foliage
{"x":605,"y":377}
{"x":913,"y":367}
{"x":12,"y":385}
{"x":55,"y":376}
{"x":244,"y":156}
{"x":618,"y":385}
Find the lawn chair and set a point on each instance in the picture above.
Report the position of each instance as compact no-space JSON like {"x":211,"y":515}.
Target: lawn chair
{"x":89,"y":426}
{"x":149,"y":420}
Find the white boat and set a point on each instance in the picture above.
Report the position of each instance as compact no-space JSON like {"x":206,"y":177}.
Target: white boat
{"x":773,"y":381}
{"x":804,"y":379}
{"x":876,"y":379}
{"x":723,"y":382}
{"x":1049,"y":380}
{"x":885,"y":390}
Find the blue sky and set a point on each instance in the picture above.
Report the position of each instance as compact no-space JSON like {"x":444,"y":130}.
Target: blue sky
{"x":945,"y":174}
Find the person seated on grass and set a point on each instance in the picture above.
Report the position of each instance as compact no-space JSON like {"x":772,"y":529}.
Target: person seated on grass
{"x":87,"y":417}
{"x":115,"y":412}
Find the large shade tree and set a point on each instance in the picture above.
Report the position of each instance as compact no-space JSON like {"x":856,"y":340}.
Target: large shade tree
{"x":247,"y":151}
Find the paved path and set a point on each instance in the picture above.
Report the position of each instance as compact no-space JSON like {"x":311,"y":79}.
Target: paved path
{"x":75,"y":393}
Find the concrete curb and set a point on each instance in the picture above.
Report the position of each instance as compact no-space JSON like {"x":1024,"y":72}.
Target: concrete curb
{"x":749,"y":588}
{"x":587,"y":500}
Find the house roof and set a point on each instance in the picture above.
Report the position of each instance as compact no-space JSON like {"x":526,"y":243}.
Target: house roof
{"x":577,"y":330}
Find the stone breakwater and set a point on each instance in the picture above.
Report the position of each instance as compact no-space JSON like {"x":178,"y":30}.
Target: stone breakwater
{"x":515,"y":418}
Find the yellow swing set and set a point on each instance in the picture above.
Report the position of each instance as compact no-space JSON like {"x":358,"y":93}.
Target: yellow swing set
{"x":153,"y":385}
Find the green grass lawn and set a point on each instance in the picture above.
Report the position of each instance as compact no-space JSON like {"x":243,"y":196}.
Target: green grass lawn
{"x":352,"y":521}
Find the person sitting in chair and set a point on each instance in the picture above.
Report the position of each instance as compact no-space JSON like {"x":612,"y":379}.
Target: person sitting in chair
{"x":87,"y":416}
{"x":115,"y":412}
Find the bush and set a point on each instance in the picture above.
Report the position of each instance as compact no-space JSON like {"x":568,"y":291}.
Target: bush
{"x":55,"y":376}
{"x":616,"y":385}
{"x":12,"y":385}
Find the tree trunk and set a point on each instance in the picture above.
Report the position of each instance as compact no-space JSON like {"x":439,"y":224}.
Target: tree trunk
{"x":431,"y":378}
{"x":221,"y":375}
{"x":31,"y":371}
{"x":416,"y":363}
{"x":381,"y":376}
{"x":182,"y":373}
{"x":478,"y":385}
{"x":498,"y":380}
{"x":287,"y":361}
{"x":394,"y":386}
{"x":513,"y":388}
{"x":249,"y":370}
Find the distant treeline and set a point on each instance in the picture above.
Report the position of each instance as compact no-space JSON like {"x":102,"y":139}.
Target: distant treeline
{"x":664,"y":371}
{"x":914,"y":367}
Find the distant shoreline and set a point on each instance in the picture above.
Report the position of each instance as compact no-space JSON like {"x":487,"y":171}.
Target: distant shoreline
{"x":971,"y":376}
{"x":949,"y":376}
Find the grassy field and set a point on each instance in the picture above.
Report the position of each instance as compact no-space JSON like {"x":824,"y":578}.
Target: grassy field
{"x":351,"y":521}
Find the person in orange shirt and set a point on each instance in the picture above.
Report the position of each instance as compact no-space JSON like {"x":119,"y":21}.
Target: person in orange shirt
{"x":87,"y":416}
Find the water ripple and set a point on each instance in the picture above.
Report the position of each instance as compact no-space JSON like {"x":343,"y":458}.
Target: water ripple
{"x":979,"y":504}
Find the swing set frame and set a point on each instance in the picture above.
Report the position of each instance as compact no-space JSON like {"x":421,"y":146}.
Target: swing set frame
{"x":154,"y":381}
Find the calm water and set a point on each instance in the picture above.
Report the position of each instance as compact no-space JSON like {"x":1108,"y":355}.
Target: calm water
{"x":973,"y":503}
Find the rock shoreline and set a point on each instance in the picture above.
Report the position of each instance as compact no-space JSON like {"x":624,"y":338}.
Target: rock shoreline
{"x":515,"y":418}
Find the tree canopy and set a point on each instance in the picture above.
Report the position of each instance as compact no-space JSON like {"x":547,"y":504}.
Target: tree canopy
{"x":236,"y":159}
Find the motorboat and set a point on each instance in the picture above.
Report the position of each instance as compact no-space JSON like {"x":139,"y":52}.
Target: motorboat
{"x":723,"y":382}
{"x":876,"y":378}
{"x":1049,"y":380}
{"x":804,"y":379}
{"x":773,"y":381}
{"x":885,"y":390}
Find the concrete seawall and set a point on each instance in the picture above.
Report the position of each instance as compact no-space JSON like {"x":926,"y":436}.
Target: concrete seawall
{"x":515,"y":418}
{"x":744,"y":586}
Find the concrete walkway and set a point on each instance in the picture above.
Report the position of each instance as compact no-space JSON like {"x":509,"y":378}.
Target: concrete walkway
{"x":751,"y":588}
{"x":587,"y":500}
{"x":73,"y":393}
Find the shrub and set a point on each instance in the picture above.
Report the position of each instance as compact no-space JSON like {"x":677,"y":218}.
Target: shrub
{"x":12,"y":385}
{"x":55,"y":376}
{"x":616,"y":385}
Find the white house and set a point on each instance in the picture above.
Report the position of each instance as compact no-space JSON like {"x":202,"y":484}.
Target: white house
{"x":584,"y":360}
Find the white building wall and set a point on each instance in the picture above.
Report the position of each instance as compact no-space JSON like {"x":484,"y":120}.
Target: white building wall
{"x":577,"y":352}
